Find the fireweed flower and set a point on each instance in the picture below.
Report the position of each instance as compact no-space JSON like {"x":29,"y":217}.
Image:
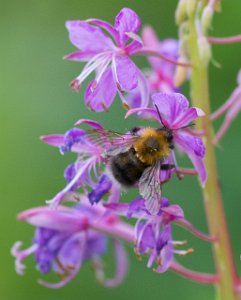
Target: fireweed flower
{"x":153,"y":234}
{"x":66,"y":238}
{"x":86,"y":170}
{"x":176,"y":115}
{"x":109,"y":56}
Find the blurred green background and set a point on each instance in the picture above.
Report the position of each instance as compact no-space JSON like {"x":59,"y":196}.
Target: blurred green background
{"x":36,"y":99}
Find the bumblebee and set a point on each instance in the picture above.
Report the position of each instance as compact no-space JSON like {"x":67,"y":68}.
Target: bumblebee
{"x":137,"y":157}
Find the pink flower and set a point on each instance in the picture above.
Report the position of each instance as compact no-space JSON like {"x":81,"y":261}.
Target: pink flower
{"x":176,"y":117}
{"x":108,"y":55}
{"x":66,"y":238}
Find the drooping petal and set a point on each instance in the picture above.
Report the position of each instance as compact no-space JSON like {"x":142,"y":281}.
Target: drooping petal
{"x":126,"y":72}
{"x":126,"y":21}
{"x":196,"y":156}
{"x":145,"y":111}
{"x":101,"y":97}
{"x":103,"y":187}
{"x":80,"y":56}
{"x":91,"y":123}
{"x":88,"y":38}
{"x":191,"y":143}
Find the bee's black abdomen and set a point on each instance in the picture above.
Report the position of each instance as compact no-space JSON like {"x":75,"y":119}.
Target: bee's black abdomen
{"x":127,"y":168}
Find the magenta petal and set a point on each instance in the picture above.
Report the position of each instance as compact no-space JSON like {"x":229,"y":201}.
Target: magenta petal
{"x":101,"y":97}
{"x":105,"y":25}
{"x":126,"y":21}
{"x":166,"y":258}
{"x":91,"y":123}
{"x":61,"y":219}
{"x":148,"y":111}
{"x":87,"y":37}
{"x":127,"y":74}
{"x":190,"y":115}
{"x":172,"y":105}
{"x":57,"y":140}
{"x":197,"y":160}
{"x":80,"y":55}
{"x":174,"y":211}
{"x":191,"y":143}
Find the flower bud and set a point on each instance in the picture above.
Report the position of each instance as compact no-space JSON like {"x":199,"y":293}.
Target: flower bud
{"x":181,"y":11}
{"x":204,"y":50}
{"x":206,"y":18}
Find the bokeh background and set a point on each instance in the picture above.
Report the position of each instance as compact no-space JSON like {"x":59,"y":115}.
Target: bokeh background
{"x":36,"y":99}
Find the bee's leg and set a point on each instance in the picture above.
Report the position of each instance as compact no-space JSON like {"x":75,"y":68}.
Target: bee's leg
{"x":134,"y":130}
{"x":167,"y":166}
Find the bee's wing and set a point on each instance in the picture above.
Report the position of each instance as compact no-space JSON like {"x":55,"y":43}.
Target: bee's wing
{"x":112,"y":142}
{"x":150,"y":187}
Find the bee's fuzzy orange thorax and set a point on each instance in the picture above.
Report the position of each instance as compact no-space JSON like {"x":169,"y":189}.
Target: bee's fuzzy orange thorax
{"x":152,"y":146}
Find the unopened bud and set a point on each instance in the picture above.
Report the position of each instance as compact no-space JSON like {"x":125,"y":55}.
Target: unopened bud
{"x":180,"y":74}
{"x":204,"y":50}
{"x":181,"y":11}
{"x":191,"y":7}
{"x":206,"y":18}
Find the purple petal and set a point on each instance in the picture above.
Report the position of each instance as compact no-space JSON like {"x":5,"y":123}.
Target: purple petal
{"x":87,"y":37}
{"x":61,"y":219}
{"x":188,"y":116}
{"x":57,"y":140}
{"x":104,"y":186}
{"x":173,"y":212}
{"x":136,"y":206}
{"x":92,"y":123}
{"x":105,"y":25}
{"x":80,"y":55}
{"x":101,"y":97}
{"x":171,"y":105}
{"x":150,"y":111}
{"x":126,"y":21}
{"x":126,"y":72}
{"x":190,"y":143}
{"x":72,"y":137}
{"x":166,"y":258}
{"x":196,"y":160}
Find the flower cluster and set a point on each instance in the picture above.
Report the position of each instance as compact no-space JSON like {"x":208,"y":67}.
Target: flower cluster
{"x":109,"y":163}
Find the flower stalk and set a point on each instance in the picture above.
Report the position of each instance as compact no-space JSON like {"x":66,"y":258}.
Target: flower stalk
{"x":225,"y":287}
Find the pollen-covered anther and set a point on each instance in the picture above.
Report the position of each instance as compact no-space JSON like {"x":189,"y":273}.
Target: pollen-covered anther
{"x":178,"y":243}
{"x":75,"y":86}
{"x":126,"y":106}
{"x":159,"y":261}
{"x":104,"y":106}
{"x":93,"y":86}
{"x":184,"y":252}
{"x":137,"y":253}
{"x":119,"y":87}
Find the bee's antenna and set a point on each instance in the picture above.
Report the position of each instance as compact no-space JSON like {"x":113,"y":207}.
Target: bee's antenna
{"x":159,"y":114}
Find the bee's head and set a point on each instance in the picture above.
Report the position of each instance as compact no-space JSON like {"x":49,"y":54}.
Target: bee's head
{"x":168,"y":134}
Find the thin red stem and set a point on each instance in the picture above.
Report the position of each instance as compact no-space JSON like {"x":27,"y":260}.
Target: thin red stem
{"x":225,"y":40}
{"x":152,"y":52}
{"x":192,"y":275}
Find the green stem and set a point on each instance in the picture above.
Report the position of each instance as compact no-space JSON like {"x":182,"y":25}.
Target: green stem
{"x":224,"y":262}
